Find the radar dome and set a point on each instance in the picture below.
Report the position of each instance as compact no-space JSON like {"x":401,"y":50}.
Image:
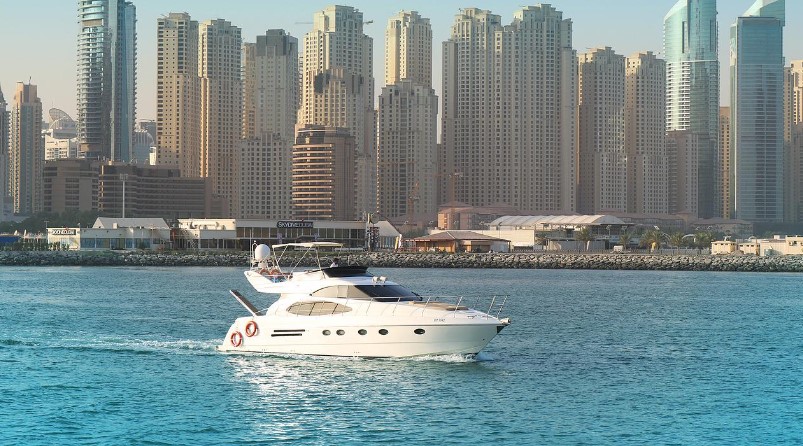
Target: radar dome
{"x":261,"y":252}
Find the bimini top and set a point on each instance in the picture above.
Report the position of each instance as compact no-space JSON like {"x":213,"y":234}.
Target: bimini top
{"x":310,"y":245}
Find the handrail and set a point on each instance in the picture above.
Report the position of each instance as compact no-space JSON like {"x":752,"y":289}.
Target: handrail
{"x":448,"y":303}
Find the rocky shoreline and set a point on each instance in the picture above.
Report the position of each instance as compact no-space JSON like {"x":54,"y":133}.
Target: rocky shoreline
{"x":426,"y":260}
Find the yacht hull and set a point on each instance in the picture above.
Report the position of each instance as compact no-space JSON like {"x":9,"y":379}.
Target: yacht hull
{"x":360,"y":340}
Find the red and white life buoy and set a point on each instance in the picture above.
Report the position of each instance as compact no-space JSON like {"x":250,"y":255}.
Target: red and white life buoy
{"x":251,"y":328}
{"x":236,"y":339}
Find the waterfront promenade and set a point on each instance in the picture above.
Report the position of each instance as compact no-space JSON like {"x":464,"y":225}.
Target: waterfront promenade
{"x":599,"y":261}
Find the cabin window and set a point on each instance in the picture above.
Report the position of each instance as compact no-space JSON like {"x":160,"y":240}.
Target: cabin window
{"x":376,"y":292}
{"x":317,"y":308}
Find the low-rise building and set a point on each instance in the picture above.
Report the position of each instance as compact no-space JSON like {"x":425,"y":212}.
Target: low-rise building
{"x":70,"y":185}
{"x":113,"y":234}
{"x":460,"y":241}
{"x":777,"y":246}
{"x":223,"y":234}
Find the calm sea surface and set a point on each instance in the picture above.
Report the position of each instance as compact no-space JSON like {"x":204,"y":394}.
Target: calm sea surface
{"x":127,"y":356}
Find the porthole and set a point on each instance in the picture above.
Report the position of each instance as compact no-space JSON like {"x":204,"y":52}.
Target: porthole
{"x":383,"y":332}
{"x":362,"y":331}
{"x":340,"y":332}
{"x":419,"y":331}
{"x":327,"y":332}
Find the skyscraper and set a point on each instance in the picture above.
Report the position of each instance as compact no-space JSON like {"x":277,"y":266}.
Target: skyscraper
{"x":106,"y":78}
{"x":602,"y":160}
{"x":726,"y":162}
{"x":178,"y":94}
{"x":337,"y":89}
{"x":270,"y":74}
{"x":219,"y":56}
{"x":4,"y":117}
{"x":270,"y":71}
{"x":509,"y":108}
{"x":26,"y":151}
{"x":757,"y":86}
{"x":692,"y":94}
{"x":407,"y":125}
{"x":793,"y":141}
{"x":645,"y":134}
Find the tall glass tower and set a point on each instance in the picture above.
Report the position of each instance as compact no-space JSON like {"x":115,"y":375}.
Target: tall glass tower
{"x":757,"y":89}
{"x":4,"y":118}
{"x":692,"y":89}
{"x":106,"y":78}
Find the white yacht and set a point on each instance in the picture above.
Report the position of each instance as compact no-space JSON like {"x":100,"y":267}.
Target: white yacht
{"x":342,"y":310}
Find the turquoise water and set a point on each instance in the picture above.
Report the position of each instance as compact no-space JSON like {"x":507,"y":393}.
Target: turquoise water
{"x":126,"y":356}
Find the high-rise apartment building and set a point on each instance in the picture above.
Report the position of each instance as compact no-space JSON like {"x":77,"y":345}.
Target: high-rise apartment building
{"x":726,"y":162}
{"x":645,"y":134}
{"x":26,"y":150}
{"x":4,"y":118}
{"x":509,"y":109}
{"x":407,"y":127}
{"x":178,"y":95}
{"x":683,"y":147}
{"x":323,"y":174}
{"x":407,"y":138}
{"x":692,"y":94}
{"x":270,"y":75}
{"x":793,"y":142}
{"x":337,"y":88}
{"x":602,"y":160}
{"x":106,"y":78}
{"x":219,"y":56}
{"x":757,"y":88}
{"x":271,"y":94}
{"x":408,"y":49}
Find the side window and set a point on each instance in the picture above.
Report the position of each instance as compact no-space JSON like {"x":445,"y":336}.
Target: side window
{"x":317,"y":308}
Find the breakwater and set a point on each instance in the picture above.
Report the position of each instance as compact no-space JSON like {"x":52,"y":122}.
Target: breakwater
{"x":424,"y":260}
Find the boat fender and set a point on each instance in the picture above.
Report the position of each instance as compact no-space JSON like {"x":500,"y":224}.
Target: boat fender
{"x":236,"y":339}
{"x":251,"y":328}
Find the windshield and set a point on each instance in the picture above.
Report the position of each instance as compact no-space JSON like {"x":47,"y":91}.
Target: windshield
{"x":388,"y":293}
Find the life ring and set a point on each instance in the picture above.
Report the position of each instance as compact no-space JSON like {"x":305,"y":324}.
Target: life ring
{"x":251,"y":328}
{"x":236,"y":339}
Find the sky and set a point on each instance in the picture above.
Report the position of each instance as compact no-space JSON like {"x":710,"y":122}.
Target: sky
{"x":40,"y":45}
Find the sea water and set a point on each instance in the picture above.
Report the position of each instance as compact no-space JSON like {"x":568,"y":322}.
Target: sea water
{"x":127,"y":356}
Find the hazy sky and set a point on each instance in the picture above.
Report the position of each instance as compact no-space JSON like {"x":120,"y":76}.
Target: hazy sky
{"x":40,"y":43}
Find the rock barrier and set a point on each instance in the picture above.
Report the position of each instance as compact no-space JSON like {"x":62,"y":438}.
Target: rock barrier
{"x":425,"y":260}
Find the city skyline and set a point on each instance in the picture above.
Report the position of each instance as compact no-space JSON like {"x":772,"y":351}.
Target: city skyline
{"x":594,"y":25}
